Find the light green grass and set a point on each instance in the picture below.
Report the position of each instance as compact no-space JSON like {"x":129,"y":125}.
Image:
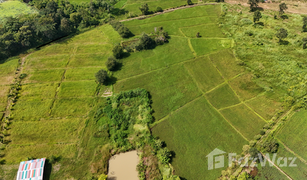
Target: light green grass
{"x":19,"y":153}
{"x":204,"y":73}
{"x":38,"y":91}
{"x":43,"y":76}
{"x":4,"y":90}
{"x":268,"y":172}
{"x":298,"y":172}
{"x":45,"y":62}
{"x":294,"y":133}
{"x":50,"y":131}
{"x":8,"y":67}
{"x":72,"y":107}
{"x":244,"y":120}
{"x":77,"y":89}
{"x":84,"y":60}
{"x":31,"y":109}
{"x":170,"y":88}
{"x":14,"y":8}
{"x":189,"y":13}
{"x":77,"y":74}
{"x":265,"y":106}
{"x":222,"y":96}
{"x":206,"y":46}
{"x":192,"y":133}
{"x":94,"y":48}
{"x":55,"y":49}
{"x":205,"y":30}
{"x":120,"y":3}
{"x":176,"y":51}
{"x":171,"y":26}
{"x":226,"y":62}
{"x":245,"y":87}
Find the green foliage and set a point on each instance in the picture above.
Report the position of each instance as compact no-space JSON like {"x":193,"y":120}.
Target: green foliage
{"x":146,"y":42}
{"x":253,"y":4}
{"x":282,"y":8}
{"x":111,"y":63}
{"x":253,"y":152}
{"x":118,"y":51}
{"x":257,"y":16}
{"x":270,"y":146}
{"x":144,"y":9}
{"x":244,"y":176}
{"x":121,"y":29}
{"x":101,"y":76}
{"x":164,"y":155}
{"x":103,"y":177}
{"x":159,"y":9}
{"x":189,"y":2}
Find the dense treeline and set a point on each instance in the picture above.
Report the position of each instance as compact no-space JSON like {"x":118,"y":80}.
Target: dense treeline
{"x":54,"y":20}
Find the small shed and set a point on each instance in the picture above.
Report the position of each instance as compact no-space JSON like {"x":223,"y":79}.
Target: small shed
{"x":31,"y":170}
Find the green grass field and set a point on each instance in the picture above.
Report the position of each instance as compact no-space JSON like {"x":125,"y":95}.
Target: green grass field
{"x":294,"y":133}
{"x":187,"y":132}
{"x":14,"y":8}
{"x":243,"y":119}
{"x":222,"y":97}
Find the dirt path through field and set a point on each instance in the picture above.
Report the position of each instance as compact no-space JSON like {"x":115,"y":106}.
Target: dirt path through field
{"x":123,"y":166}
{"x":167,"y":11}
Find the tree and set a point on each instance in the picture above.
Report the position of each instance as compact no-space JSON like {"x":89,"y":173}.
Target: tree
{"x":118,"y":51}
{"x":282,"y":8}
{"x":189,"y":2}
{"x":281,"y":34}
{"x":257,"y":16}
{"x":101,"y":76}
{"x":304,"y":23}
{"x":111,"y":63}
{"x":146,"y":42}
{"x":253,"y":4}
{"x":159,"y":9}
{"x":253,"y":152}
{"x":144,"y":9}
{"x":270,"y":146}
{"x":245,"y":149}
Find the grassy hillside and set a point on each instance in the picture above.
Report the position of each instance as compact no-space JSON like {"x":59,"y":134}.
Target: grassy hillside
{"x":14,"y":8}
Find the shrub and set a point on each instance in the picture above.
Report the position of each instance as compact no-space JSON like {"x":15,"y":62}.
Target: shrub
{"x":101,"y":76}
{"x":281,"y":34}
{"x":189,"y":2}
{"x":118,"y":51}
{"x":111,"y":63}
{"x":270,"y":146}
{"x":262,"y":132}
{"x":159,"y":9}
{"x":164,"y":155}
{"x":257,"y":137}
{"x":245,"y":21}
{"x":253,"y":152}
{"x":252,"y":143}
{"x":144,"y":9}
{"x":22,"y":76}
{"x":146,"y":42}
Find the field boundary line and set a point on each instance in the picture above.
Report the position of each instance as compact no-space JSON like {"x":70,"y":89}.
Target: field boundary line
{"x":182,"y":32}
{"x":191,"y":47}
{"x":170,"y":114}
{"x":167,"y":11}
{"x":221,"y":109}
{"x":203,"y":94}
{"x":291,"y":151}
{"x":276,"y":167}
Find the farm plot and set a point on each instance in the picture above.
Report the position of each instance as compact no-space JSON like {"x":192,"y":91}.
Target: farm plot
{"x":222,"y":97}
{"x":205,"y":30}
{"x":15,"y":8}
{"x":170,"y":88}
{"x":7,"y":70}
{"x":192,"y":133}
{"x":58,"y":92}
{"x":294,"y":133}
{"x":4,"y":90}
{"x":204,"y":73}
{"x":205,"y":46}
{"x":244,"y":120}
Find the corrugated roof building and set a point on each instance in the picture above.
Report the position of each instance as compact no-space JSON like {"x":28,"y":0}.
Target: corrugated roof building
{"x":31,"y":170}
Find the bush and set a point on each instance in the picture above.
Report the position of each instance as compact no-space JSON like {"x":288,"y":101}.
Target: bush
{"x":144,"y":9}
{"x":270,"y":146}
{"x":146,"y":42}
{"x":101,"y":76}
{"x":257,"y":137}
{"x":262,"y":132}
{"x":245,"y":21}
{"x":122,"y":30}
{"x":159,"y":9}
{"x":164,"y":155}
{"x":189,"y":2}
{"x":111,"y":63}
{"x":118,"y":51}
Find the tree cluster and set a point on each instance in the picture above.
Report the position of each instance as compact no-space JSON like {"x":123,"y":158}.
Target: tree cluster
{"x":122,"y":30}
{"x":53,"y":21}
